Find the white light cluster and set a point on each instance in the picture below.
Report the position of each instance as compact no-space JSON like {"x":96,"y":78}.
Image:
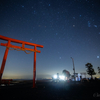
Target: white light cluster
{"x":61,"y":77}
{"x":55,"y":76}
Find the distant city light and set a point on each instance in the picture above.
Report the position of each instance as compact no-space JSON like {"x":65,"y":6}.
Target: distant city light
{"x":55,"y":76}
{"x":62,"y":77}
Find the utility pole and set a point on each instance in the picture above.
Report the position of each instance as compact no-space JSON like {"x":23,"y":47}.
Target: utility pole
{"x":73,"y":68}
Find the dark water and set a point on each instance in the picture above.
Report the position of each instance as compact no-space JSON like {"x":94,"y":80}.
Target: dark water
{"x":51,"y":91}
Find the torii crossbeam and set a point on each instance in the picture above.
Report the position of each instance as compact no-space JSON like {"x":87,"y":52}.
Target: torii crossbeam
{"x":9,"y":45}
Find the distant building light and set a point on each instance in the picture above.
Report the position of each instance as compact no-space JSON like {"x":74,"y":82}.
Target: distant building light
{"x":62,"y":77}
{"x":55,"y":76}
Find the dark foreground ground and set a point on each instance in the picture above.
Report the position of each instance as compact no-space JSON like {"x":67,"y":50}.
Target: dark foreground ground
{"x":22,"y":90}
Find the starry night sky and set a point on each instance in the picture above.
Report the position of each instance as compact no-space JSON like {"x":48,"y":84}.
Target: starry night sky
{"x":66,"y":28}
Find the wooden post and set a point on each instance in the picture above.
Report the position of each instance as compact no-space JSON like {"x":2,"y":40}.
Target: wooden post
{"x":34,"y":68}
{"x":4,"y":61}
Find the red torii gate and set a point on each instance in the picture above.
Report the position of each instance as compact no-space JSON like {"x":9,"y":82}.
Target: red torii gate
{"x":9,"y":45}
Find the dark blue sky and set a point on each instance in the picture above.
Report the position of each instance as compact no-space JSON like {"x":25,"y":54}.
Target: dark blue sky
{"x":66,"y":28}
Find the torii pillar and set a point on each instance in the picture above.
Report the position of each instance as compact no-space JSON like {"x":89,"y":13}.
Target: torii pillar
{"x":9,"y":45}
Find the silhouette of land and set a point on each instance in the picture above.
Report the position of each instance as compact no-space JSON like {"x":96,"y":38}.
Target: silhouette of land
{"x":48,"y":90}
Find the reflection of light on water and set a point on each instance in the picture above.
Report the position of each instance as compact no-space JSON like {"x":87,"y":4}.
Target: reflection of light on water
{"x":3,"y":85}
{"x":15,"y":82}
{"x":7,"y":84}
{"x":11,"y":84}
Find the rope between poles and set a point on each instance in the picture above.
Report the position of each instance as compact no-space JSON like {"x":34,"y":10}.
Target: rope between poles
{"x":19,"y":50}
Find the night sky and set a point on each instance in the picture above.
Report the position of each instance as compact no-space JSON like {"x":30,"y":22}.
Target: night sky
{"x":66,"y":28}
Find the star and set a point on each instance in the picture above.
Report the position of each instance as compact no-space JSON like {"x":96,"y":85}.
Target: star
{"x":73,"y":25}
{"x":22,"y":6}
{"x":97,"y":56}
{"x":59,"y":57}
